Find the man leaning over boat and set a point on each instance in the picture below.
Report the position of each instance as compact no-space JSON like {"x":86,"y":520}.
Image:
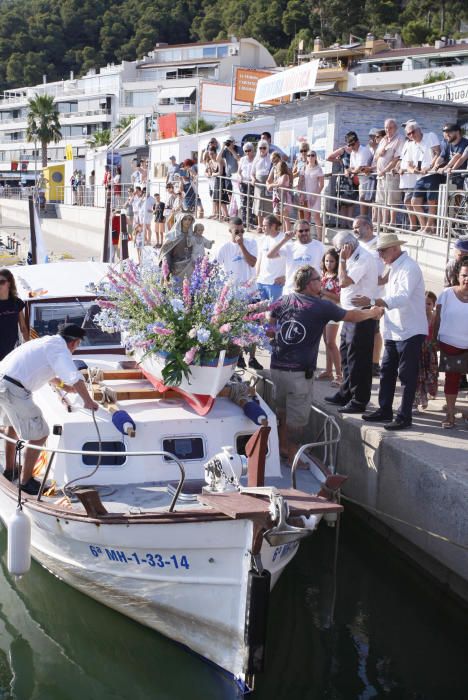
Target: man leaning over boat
{"x":25,"y":370}
{"x":299,"y":320}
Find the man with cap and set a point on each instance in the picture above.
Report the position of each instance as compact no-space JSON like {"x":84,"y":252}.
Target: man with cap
{"x":357,"y":275}
{"x":25,"y":370}
{"x":404,"y":329}
{"x":422,"y":153}
{"x":172,"y":170}
{"x":454,"y":153}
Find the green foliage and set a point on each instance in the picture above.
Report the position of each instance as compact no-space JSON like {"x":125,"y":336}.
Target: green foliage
{"x":203,"y":125}
{"x":43,"y":123}
{"x":52,"y":37}
{"x":435,"y":75}
{"x":99,"y":138}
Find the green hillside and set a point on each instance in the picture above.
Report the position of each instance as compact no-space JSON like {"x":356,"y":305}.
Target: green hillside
{"x":52,"y":37}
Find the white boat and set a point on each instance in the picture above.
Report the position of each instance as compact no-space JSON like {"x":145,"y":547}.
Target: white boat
{"x":162,"y":525}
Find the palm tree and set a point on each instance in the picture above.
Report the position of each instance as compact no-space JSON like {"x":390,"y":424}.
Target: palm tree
{"x":99,"y":138}
{"x":43,"y":123}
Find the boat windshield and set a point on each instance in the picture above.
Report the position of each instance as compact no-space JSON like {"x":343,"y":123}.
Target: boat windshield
{"x":46,"y":317}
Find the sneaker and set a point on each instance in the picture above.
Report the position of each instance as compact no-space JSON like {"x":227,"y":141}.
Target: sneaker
{"x":241,"y":362}
{"x":10,"y":474}
{"x":254,"y":363}
{"x":31,"y":487}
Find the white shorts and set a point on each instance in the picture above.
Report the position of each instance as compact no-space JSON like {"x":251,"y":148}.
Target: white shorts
{"x":17,"y":409}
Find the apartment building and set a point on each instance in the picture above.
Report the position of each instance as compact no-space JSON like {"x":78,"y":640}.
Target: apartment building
{"x":385,"y":64}
{"x":168,"y":80}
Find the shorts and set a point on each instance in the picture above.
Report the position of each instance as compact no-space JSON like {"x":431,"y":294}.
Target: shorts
{"x":388,"y":191}
{"x":427,"y":187}
{"x":18,"y":410}
{"x":366,"y":188}
{"x":293,"y":395}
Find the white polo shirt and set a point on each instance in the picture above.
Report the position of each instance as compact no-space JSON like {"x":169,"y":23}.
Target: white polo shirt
{"x":297,"y":254}
{"x":269,"y":269}
{"x":361,"y":267}
{"x":36,"y":362}
{"x":232,"y":260}
{"x":406,"y":301}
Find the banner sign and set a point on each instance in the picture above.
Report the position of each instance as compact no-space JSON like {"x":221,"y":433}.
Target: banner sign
{"x":298,"y":79}
{"x":216,"y":98}
{"x":167,"y":125}
{"x":246,"y":84}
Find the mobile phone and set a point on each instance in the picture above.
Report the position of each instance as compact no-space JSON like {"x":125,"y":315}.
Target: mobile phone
{"x":419,"y":164}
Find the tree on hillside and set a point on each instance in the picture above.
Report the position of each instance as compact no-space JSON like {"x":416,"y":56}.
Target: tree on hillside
{"x":43,"y":123}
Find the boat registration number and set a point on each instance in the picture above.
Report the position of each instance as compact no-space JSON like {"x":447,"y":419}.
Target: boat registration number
{"x":284,"y":550}
{"x":151,"y":559}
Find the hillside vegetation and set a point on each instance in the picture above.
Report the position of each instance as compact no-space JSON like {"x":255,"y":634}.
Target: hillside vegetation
{"x":52,"y":37}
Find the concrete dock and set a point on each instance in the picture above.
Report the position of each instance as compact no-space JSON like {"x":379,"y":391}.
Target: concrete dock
{"x":411,"y":485}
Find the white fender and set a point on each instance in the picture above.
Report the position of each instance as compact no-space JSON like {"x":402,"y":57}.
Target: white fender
{"x":19,"y":543}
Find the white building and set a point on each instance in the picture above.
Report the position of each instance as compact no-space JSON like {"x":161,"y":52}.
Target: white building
{"x":169,"y":80}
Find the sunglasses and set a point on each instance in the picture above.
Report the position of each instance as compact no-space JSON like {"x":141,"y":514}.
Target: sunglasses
{"x":247,"y":150}
{"x":263,"y":148}
{"x":312,"y":155}
{"x":409,"y":133}
{"x":3,"y":281}
{"x":303,"y":150}
{"x":303,"y":230}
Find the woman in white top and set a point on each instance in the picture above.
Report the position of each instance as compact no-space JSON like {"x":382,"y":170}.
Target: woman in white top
{"x":313,"y":185}
{"x":244,"y":174}
{"x":260,"y":170}
{"x":451,"y":327}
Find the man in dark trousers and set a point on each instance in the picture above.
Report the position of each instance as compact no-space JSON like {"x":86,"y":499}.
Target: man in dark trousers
{"x":300,"y":318}
{"x":358,"y":275}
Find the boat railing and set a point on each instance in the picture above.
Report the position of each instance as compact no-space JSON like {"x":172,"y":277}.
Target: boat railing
{"x":328,"y":437}
{"x":24,"y":444}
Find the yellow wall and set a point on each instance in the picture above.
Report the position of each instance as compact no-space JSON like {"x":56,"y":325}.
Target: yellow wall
{"x":55,"y":177}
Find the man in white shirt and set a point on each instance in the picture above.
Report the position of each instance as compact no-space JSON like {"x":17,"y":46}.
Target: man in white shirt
{"x":238,"y":258}
{"x":404,"y":330}
{"x":23,"y":371}
{"x":360,"y":164}
{"x":270,"y":271}
{"x":244,"y":173}
{"x":357,"y":275}
{"x":303,"y":251}
{"x":422,"y":155}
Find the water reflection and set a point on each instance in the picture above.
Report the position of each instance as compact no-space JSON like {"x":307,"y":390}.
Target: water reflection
{"x":385,"y":634}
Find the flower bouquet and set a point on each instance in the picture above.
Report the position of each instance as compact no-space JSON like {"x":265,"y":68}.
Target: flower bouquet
{"x":180,"y":326}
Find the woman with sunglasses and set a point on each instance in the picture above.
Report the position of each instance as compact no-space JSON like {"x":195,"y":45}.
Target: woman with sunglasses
{"x":260,"y":170}
{"x":11,"y":314}
{"x":313,"y":185}
{"x":298,"y":175}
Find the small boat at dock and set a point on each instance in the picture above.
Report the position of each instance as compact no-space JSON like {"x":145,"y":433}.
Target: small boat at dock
{"x":181,"y":520}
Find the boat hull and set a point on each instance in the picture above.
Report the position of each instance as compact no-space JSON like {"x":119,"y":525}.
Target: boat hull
{"x":185,"y":580}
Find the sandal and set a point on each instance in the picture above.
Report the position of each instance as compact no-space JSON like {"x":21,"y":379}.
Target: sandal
{"x":325,"y":375}
{"x":448,"y":423}
{"x":337,"y":382}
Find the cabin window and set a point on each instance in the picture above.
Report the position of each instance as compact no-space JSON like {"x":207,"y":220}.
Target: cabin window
{"x":110,"y":446}
{"x":241,"y":442}
{"x":46,"y":317}
{"x":185,"y":448}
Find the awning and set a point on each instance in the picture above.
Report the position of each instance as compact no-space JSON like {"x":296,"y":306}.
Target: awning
{"x":166,"y":93}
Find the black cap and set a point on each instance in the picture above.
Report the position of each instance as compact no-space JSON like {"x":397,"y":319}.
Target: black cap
{"x":451,"y":126}
{"x":70,"y":331}
{"x":351,"y":137}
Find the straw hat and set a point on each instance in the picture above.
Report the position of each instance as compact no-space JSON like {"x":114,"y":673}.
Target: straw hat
{"x":387,"y":240}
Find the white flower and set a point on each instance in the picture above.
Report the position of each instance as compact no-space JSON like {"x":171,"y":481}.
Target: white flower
{"x":203,"y":335}
{"x":177,"y":304}
{"x":192,"y":333}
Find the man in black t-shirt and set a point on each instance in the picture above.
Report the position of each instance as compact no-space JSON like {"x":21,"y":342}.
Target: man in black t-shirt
{"x":300,"y":319}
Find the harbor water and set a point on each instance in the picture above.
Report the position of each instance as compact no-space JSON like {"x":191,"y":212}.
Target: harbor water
{"x":369,"y":627}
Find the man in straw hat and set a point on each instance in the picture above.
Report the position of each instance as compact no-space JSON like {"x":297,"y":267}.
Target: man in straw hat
{"x":404,"y":329}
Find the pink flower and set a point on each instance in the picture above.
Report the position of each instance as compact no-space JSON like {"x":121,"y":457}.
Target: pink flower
{"x":225,"y":328}
{"x":165,"y":269}
{"x":190,"y":355}
{"x":186,"y":293}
